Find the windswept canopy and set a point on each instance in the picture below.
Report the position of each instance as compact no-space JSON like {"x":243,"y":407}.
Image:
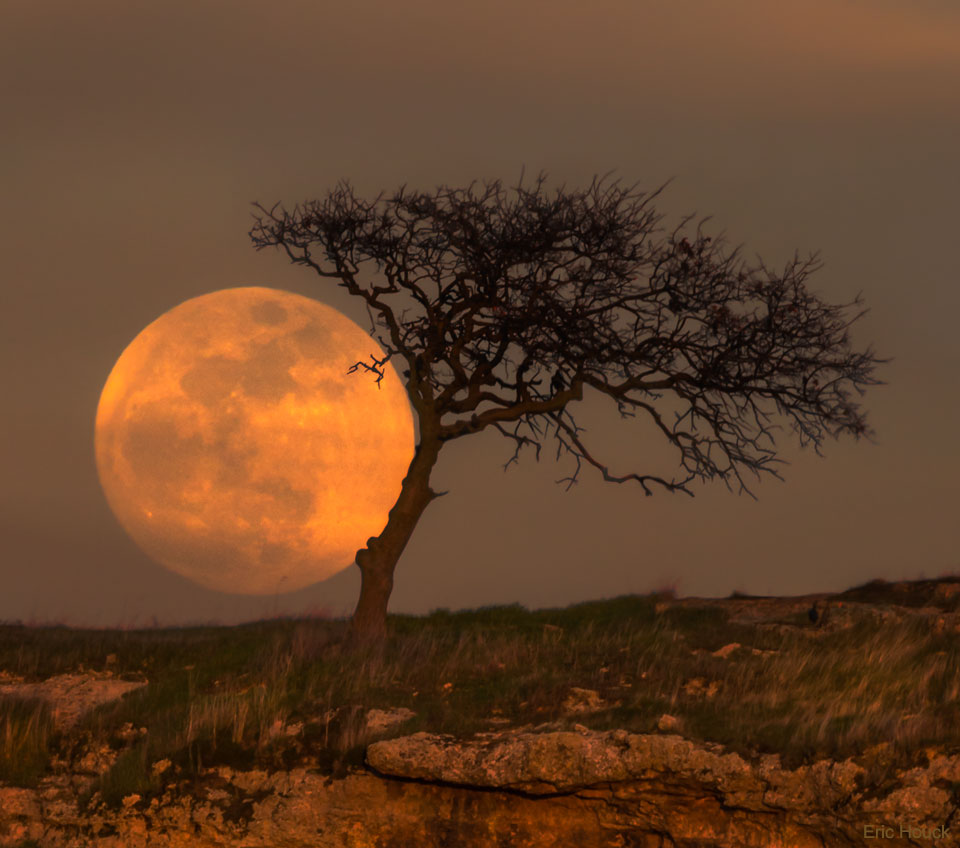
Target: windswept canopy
{"x":505,"y":304}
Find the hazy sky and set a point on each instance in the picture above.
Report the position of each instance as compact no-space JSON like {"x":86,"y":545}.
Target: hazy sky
{"x":134,"y":135}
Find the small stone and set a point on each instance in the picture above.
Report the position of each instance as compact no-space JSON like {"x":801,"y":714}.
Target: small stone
{"x":668,"y":722}
{"x":130,"y":800}
{"x":377,"y":721}
{"x":583,"y":701}
{"x":726,"y":650}
{"x":160,"y":766}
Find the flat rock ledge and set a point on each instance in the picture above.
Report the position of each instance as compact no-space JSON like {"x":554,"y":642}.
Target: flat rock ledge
{"x":518,"y":789}
{"x":71,"y":695}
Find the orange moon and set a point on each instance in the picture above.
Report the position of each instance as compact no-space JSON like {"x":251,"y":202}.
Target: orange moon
{"x":235,"y":449}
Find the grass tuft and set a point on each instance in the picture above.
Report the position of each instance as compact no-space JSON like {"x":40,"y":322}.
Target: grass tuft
{"x":26,"y":737}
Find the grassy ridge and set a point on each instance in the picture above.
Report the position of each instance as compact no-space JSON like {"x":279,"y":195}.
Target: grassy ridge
{"x":277,"y":693}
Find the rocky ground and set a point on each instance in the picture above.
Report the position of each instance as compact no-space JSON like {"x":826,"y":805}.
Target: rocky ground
{"x":543,"y":785}
{"x":529,"y":787}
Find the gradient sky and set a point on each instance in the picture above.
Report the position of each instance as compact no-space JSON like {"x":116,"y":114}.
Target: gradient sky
{"x":134,"y":136}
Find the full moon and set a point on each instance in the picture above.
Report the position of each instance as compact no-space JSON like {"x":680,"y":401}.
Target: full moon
{"x":235,"y":449}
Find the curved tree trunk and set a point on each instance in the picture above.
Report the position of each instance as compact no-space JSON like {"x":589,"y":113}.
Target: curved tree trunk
{"x":379,"y":558}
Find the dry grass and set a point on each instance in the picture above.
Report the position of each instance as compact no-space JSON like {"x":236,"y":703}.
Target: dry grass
{"x":26,"y":736}
{"x":284,"y":692}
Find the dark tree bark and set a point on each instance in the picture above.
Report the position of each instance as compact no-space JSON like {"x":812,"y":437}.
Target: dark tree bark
{"x":379,"y":558}
{"x":505,"y":307}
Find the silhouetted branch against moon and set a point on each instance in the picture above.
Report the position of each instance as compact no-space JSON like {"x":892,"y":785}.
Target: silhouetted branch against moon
{"x":515,"y":300}
{"x":375,"y":367}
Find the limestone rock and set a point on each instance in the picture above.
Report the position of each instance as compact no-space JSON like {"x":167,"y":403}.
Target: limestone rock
{"x":584,"y":701}
{"x":698,"y":687}
{"x":525,"y":789}
{"x":668,"y":723}
{"x":71,"y":695}
{"x":378,"y":721}
{"x":550,"y":763}
{"x":724,"y":652}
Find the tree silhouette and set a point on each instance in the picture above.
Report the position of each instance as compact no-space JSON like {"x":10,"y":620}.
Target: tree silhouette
{"x":505,"y":305}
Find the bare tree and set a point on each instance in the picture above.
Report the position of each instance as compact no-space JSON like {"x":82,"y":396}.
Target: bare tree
{"x":517,"y":300}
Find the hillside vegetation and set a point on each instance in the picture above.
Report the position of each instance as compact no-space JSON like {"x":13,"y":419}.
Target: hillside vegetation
{"x":876,"y":677}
